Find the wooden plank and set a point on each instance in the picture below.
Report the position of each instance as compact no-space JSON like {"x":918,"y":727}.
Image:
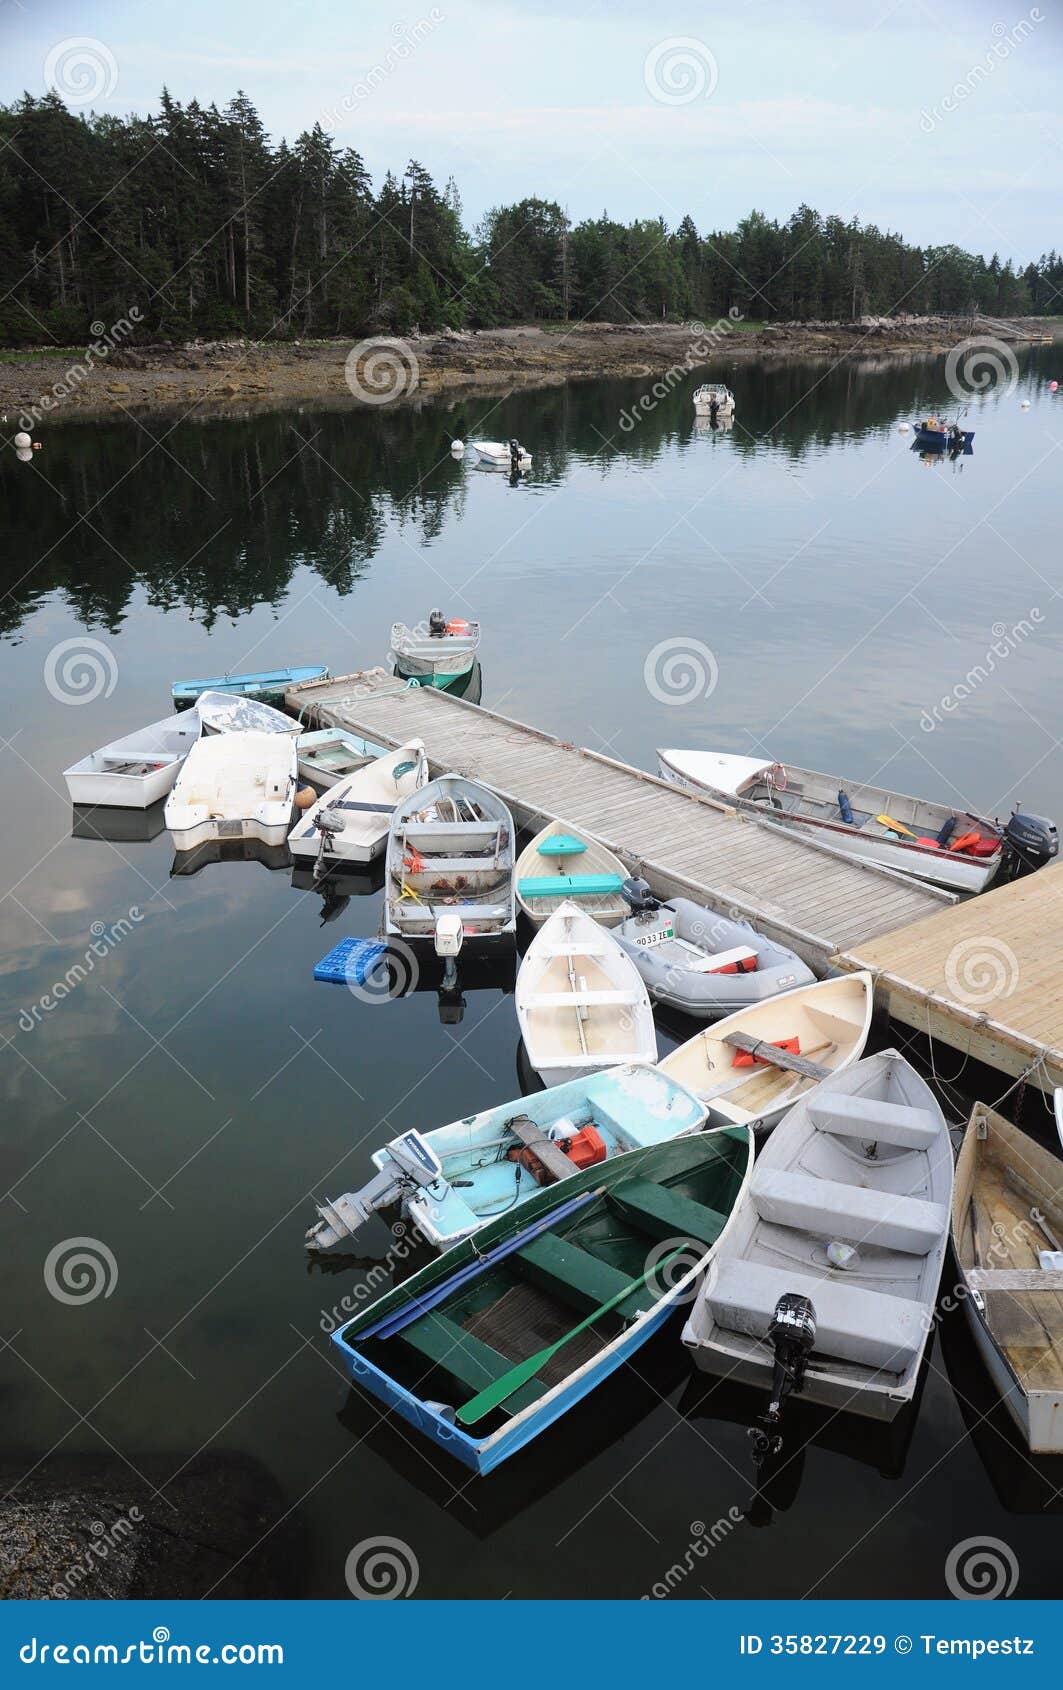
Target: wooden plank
{"x":766,"y":1052}
{"x":542,"y":1148}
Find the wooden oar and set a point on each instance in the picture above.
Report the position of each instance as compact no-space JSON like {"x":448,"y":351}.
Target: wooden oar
{"x":497,"y":1392}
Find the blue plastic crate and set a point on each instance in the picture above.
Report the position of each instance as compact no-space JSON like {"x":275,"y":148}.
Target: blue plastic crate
{"x":350,"y":962}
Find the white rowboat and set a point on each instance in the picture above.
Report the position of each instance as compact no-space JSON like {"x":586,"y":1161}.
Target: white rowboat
{"x":135,"y":772}
{"x":586,"y":872}
{"x":350,"y":823}
{"x":223,"y":712}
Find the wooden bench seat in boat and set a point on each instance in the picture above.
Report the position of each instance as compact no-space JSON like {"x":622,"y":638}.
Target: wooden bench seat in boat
{"x":867,"y":1119}
{"x":1015,"y":1280}
{"x":589,"y":999}
{"x":569,"y":885}
{"x":441,"y":1343}
{"x":870,"y":1328}
{"x":571,"y":1273}
{"x":831,"y":1209}
{"x":663,"y":1213}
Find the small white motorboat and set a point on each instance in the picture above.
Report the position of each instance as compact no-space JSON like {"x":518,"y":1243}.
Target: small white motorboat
{"x":828,"y":1278}
{"x":350,"y":823}
{"x":1007,"y":1237}
{"x":562,"y":864}
{"x":499,"y":454}
{"x":581,"y":1003}
{"x":234,"y":786}
{"x":713,"y":399}
{"x":439,"y":651}
{"x":135,"y":772}
{"x":327,"y":756}
{"x":931,"y":841}
{"x":228,"y":713}
{"x":821,"y":1027}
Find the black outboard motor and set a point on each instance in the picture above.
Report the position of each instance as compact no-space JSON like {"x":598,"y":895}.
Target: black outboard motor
{"x":792,"y":1335}
{"x":514,"y":456}
{"x":714,"y":410}
{"x":1029,"y":843}
{"x":437,"y":624}
{"x":638,"y":896}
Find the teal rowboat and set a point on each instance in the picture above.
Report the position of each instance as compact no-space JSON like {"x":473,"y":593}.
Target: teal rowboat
{"x":485,"y":1348}
{"x":267,"y":685}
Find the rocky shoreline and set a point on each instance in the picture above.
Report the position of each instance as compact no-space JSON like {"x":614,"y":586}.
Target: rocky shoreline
{"x":37,"y":388}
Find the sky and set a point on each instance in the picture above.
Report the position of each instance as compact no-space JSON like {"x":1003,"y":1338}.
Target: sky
{"x":938,"y":121}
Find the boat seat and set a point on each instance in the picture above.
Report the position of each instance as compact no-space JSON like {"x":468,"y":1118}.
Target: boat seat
{"x":451,"y":1217}
{"x":443,"y":1344}
{"x":589,"y":999}
{"x":569,"y":885}
{"x":719,"y":960}
{"x":853,"y":1323}
{"x":586,"y":948}
{"x":867,"y":1118}
{"x":830,"y":1209}
{"x":561,"y":845}
{"x":664,"y":1213}
{"x":572,"y":1273}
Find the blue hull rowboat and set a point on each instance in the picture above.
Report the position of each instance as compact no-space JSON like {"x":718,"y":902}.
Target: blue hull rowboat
{"x":943,"y":439}
{"x":267,"y":685}
{"x":487,"y":1347}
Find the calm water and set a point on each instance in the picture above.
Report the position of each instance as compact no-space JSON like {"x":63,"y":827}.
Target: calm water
{"x":187,"y":1100}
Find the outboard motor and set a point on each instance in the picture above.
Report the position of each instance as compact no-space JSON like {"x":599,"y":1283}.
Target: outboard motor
{"x":1029,"y":843}
{"x":437,"y":624}
{"x":638,"y":896}
{"x":792,"y":1335}
{"x":514,"y":456}
{"x":330,"y":822}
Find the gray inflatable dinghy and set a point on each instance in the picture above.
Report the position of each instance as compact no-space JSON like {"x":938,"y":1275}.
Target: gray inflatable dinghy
{"x":701,"y":962}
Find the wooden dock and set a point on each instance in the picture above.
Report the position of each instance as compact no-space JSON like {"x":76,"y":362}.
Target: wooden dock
{"x":801,"y":894}
{"x":983,"y":976}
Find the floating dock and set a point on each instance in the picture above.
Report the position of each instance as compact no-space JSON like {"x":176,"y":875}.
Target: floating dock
{"x":983,"y":976}
{"x":804,"y":895}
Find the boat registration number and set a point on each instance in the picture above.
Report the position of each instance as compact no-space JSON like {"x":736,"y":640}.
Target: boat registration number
{"x":657,"y":938}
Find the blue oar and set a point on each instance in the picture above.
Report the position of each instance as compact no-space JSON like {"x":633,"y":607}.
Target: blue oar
{"x":393,"y":1323}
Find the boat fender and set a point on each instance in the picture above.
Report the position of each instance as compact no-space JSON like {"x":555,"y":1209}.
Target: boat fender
{"x":305,"y":797}
{"x":746,"y":1059}
{"x":946,"y":831}
{"x":846,"y":808}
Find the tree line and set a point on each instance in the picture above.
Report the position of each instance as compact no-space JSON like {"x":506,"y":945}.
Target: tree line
{"x":211,"y":229}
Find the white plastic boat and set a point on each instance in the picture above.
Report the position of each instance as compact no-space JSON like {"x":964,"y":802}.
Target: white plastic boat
{"x":710,"y":393}
{"x":826,"y":1023}
{"x":848,"y":1208}
{"x":439,"y":650}
{"x":581,"y":1003}
{"x":560,"y":864}
{"x":227,"y":713}
{"x":327,"y":756}
{"x":501,"y":454}
{"x":931,"y":841}
{"x":1007,"y":1229}
{"x":234,"y":786}
{"x":135,"y":772}
{"x":350,"y":823}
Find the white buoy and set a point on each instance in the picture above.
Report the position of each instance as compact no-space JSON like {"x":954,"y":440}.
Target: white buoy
{"x":1025,"y":406}
{"x":24,"y":454}
{"x":902,"y":428}
{"x":457,"y":446}
{"x":23,"y":441}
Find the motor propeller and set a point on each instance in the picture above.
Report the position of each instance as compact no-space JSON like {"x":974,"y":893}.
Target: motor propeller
{"x":792,"y":1336}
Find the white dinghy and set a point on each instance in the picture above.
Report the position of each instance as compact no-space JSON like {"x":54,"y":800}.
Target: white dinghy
{"x":135,"y":772}
{"x":831,"y":1268}
{"x":234,"y":786}
{"x":331,"y":753}
{"x":812,"y":1032}
{"x":713,"y":399}
{"x":228,"y":713}
{"x":499,"y":454}
{"x":562,"y":863}
{"x":350,"y":823}
{"x":581,"y":1003}
{"x":1007,"y":1237}
{"x":439,"y":651}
